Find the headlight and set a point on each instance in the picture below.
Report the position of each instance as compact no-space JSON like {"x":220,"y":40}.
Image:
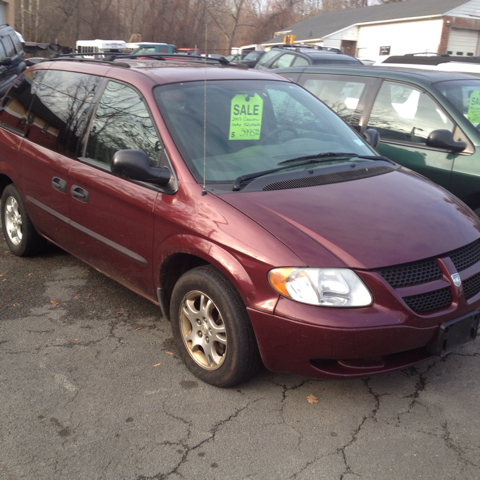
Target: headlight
{"x":329,"y":287}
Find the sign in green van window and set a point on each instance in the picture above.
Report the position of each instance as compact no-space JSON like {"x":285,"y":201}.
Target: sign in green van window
{"x":474,"y":107}
{"x":246,"y":117}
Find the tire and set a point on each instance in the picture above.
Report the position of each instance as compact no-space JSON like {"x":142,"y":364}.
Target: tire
{"x":20,"y":234}
{"x":212,"y":329}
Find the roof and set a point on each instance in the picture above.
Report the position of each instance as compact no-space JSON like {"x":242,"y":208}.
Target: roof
{"x":326,"y":23}
{"x":416,"y":75}
{"x":158,"y":71}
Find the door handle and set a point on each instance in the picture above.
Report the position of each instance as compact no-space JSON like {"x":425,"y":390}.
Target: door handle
{"x":59,"y":184}
{"x":79,"y":193}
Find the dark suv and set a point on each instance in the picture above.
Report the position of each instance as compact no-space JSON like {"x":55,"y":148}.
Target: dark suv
{"x":263,"y":226}
{"x":286,"y":56}
{"x":12,"y":57}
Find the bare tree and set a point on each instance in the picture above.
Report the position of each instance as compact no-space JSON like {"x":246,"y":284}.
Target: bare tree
{"x":182,"y":22}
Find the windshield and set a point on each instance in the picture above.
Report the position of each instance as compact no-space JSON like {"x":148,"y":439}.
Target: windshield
{"x":251,"y":126}
{"x":465,"y":96}
{"x":153,"y":49}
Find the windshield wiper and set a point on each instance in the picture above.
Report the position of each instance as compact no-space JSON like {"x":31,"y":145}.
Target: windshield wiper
{"x":321,"y":157}
{"x":251,"y":176}
{"x":307,"y":159}
{"x":325,"y":155}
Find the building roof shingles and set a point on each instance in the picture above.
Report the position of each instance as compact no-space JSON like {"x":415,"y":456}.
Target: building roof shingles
{"x":326,"y":23}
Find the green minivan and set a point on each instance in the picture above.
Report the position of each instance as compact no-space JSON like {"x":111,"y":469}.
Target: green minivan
{"x":428,"y":121}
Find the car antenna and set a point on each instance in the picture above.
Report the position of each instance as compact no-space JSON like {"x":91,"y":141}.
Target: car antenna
{"x":204,"y":191}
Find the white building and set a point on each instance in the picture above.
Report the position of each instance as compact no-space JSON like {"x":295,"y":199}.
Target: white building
{"x":411,"y":26}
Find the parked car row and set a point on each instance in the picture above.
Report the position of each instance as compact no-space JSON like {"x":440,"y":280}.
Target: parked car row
{"x":286,"y":55}
{"x":265,"y":228}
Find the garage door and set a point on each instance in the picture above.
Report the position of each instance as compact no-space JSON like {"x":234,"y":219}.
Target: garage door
{"x":463,"y":42}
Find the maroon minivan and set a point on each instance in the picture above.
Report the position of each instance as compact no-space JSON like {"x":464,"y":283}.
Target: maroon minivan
{"x":264,"y":227}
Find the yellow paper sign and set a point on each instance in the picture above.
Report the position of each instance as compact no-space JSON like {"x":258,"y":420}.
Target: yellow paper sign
{"x":474,"y":107}
{"x":246,"y":117}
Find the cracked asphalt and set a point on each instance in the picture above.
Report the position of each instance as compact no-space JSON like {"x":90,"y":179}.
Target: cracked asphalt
{"x":91,"y":387}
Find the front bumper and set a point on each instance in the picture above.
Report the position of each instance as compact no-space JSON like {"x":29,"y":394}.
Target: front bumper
{"x":325,"y":352}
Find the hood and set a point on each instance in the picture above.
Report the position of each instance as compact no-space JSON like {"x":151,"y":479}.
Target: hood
{"x":390,"y":219}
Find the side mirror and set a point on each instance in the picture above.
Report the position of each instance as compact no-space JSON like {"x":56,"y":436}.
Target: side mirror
{"x":372,"y":137}
{"x":6,"y":61}
{"x":444,"y":139}
{"x":133,"y":164}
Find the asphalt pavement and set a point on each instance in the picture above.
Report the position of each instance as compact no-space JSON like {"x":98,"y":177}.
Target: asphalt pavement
{"x":91,"y":388}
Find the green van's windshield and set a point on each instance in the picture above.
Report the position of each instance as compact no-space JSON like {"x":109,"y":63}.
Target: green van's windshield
{"x":465,"y":96}
{"x":251,"y":126}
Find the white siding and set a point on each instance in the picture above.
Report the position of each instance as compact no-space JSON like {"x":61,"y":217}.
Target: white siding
{"x":2,"y":13}
{"x":332,"y":43}
{"x":469,"y":10}
{"x":402,"y":37}
{"x":463,"y":42}
{"x":350,"y":33}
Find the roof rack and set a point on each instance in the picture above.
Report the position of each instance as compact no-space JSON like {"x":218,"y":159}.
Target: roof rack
{"x":297,"y":46}
{"x":114,"y":58}
{"x":427,"y":58}
{"x":85,"y":57}
{"x":211,"y":58}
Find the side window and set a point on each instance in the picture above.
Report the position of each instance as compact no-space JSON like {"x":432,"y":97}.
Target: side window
{"x":300,"y":62}
{"x":341,"y":94}
{"x":405,"y":113}
{"x":58,"y":115}
{"x":8,"y":44}
{"x":283,"y":61}
{"x":16,"y":41}
{"x":17,"y":103}
{"x":268,"y":57}
{"x":122,"y":122}
{"x":3,"y":53}
{"x":146,"y":50}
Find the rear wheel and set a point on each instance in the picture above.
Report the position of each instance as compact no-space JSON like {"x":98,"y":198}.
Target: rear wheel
{"x":20,"y":234}
{"x":211,"y":327}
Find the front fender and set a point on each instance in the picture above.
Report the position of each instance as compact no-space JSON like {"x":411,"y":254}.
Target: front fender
{"x":250,"y":282}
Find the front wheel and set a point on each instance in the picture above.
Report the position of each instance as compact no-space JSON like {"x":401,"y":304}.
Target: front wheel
{"x":20,"y":234}
{"x":212,"y":330}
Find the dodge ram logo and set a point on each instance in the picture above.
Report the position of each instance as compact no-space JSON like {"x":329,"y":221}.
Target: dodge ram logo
{"x":456,"y":279}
